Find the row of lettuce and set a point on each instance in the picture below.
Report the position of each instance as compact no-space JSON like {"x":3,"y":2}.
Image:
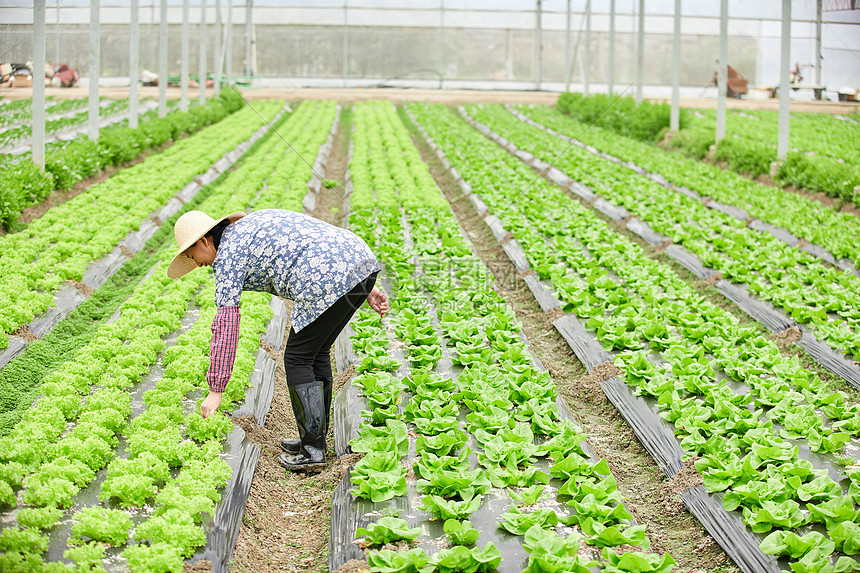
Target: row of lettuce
{"x":18,"y":111}
{"x":24,"y":184}
{"x":823,"y":148}
{"x":808,"y":290}
{"x":444,"y":308}
{"x":744,"y":409}
{"x":114,"y":462}
{"x":60,"y":245}
{"x":59,"y":119}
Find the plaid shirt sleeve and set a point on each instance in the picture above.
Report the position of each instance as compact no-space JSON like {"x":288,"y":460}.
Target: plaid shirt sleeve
{"x":222,"y":350}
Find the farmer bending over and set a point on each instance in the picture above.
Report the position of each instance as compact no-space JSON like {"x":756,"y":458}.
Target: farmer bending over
{"x":328,"y":271}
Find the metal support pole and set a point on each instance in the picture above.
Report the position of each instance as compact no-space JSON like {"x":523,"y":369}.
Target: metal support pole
{"x":228,"y":59}
{"x":440,"y":44}
{"x":818,"y":42}
{"x":587,"y":67}
{"x":722,"y":70}
{"x":219,"y":52}
{"x":201,"y":74}
{"x":345,"y":42}
{"x":675,"y":116}
{"x":611,"y":71}
{"x":640,"y":52}
{"x":567,"y":51}
{"x":162,"y":60}
{"x":784,"y":90}
{"x":133,"y":63}
{"x":95,"y":65}
{"x":183,"y":68}
{"x":538,"y":44}
{"x":249,"y":9}
{"x":57,"y":46}
{"x":38,"y":131}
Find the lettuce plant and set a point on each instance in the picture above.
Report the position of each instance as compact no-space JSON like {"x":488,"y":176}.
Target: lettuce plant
{"x":176,"y":526}
{"x":388,"y":530}
{"x":159,"y":556}
{"x":391,"y":437}
{"x":100,"y":524}
{"x":379,"y":476}
{"x":460,"y":532}
{"x":462,"y":559}
{"x":88,"y":556}
{"x":441,"y":444}
{"x":517,"y":522}
{"x":635,"y":561}
{"x":39,"y":517}
{"x":387,"y":561}
{"x":449,"y":509}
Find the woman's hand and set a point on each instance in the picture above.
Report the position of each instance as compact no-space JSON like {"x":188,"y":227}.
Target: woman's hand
{"x":378,"y":301}
{"x":210,"y":404}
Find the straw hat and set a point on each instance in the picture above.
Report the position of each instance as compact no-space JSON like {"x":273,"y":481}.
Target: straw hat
{"x":190,"y":227}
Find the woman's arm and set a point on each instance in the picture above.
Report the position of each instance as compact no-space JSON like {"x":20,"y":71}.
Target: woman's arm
{"x":222,"y":354}
{"x":378,"y":301}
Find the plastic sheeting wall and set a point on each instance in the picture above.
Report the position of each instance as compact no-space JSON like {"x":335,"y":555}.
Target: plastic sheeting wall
{"x":467,"y":41}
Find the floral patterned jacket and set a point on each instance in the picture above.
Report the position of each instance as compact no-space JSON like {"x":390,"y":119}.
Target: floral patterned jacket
{"x":286,"y":253}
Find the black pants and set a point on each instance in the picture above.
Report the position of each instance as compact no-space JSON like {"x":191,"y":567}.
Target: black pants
{"x":307,"y":354}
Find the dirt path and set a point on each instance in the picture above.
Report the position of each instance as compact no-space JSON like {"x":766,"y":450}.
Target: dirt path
{"x":288,"y":516}
{"x":399,"y":95}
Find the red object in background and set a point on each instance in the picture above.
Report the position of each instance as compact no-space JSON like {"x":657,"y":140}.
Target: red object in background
{"x":68,"y":77}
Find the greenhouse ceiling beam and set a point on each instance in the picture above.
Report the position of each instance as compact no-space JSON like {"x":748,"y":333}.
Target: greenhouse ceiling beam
{"x":675,"y":116}
{"x":640,"y":52}
{"x":784,"y":88}
{"x":133,"y":63}
{"x":162,"y":61}
{"x":201,"y":74}
{"x":95,"y":65}
{"x":722,"y":70}
{"x":38,"y":103}
{"x":183,"y":68}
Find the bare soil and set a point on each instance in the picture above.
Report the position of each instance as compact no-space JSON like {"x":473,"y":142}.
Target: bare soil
{"x":25,"y":333}
{"x":288,"y":515}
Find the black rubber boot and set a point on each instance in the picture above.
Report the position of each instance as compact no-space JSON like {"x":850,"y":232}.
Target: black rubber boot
{"x":309,"y":409}
{"x":293,"y":446}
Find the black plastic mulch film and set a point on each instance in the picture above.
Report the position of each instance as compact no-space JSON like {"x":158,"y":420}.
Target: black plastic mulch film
{"x":241,"y":453}
{"x":349,"y":513}
{"x":658,"y":438}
